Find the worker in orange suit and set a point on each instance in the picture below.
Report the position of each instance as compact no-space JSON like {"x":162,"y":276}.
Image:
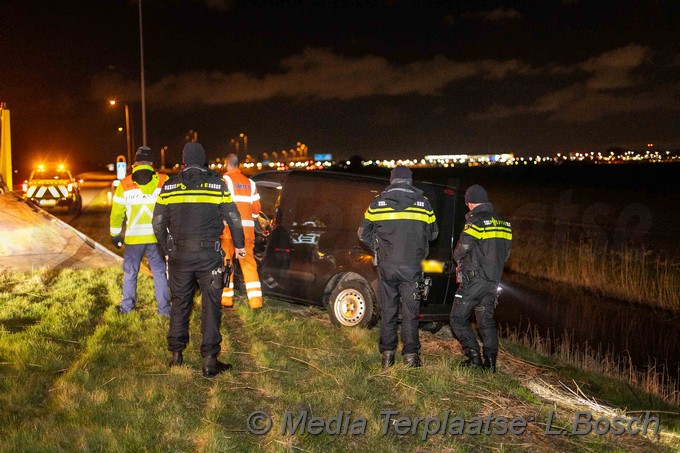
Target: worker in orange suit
{"x":244,"y":193}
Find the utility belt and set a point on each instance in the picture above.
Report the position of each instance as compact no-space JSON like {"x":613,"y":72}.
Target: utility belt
{"x":422,"y":288}
{"x":197,"y":244}
{"x":466,"y":276}
{"x":221,"y":275}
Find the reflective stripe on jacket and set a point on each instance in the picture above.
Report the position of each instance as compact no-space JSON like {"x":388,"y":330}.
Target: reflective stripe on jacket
{"x":133,"y":204}
{"x":244,"y":193}
{"x":485,"y":244}
{"x":398,"y":226}
{"x":194,"y":205}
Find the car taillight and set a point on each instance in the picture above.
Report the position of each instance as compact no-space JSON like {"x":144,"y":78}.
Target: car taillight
{"x":24,"y":186}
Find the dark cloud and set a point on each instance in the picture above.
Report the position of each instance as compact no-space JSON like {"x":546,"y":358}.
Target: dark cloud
{"x":614,"y":69}
{"x":494,"y":15}
{"x":377,"y":78}
{"x":220,"y":5}
{"x":501,"y":14}
{"x":315,"y":73}
{"x":322,"y":74}
{"x":600,"y":93}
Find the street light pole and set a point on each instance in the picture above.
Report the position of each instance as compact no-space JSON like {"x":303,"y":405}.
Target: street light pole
{"x":236,"y":145}
{"x":141,"y":55}
{"x":245,"y":142}
{"x":127,"y":133}
{"x":127,"y":130}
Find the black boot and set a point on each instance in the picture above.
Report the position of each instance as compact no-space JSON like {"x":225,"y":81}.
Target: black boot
{"x":473,"y":361}
{"x":387,"y":359}
{"x":212,"y":367}
{"x":177,"y":359}
{"x":412,"y":360}
{"x":490,"y":362}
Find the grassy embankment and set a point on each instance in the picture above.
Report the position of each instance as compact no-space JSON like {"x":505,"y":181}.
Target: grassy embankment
{"x":76,"y":375}
{"x":547,"y":250}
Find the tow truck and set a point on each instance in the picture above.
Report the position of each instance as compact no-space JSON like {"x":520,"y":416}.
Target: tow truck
{"x":50,"y":186}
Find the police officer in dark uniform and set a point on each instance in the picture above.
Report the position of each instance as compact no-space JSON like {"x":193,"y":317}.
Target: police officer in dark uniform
{"x":188,"y":219}
{"x":397,"y":227}
{"x":481,"y":252}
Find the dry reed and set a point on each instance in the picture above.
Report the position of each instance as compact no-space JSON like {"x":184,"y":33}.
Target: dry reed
{"x":651,"y":379}
{"x":627,"y":273}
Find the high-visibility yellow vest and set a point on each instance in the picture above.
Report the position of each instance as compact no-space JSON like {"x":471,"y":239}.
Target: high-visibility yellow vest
{"x":134,"y":204}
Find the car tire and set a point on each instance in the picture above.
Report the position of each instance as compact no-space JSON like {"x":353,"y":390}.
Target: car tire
{"x":432,"y":326}
{"x":353,"y":304}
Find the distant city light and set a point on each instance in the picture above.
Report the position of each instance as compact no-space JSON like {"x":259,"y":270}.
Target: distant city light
{"x":297,"y":159}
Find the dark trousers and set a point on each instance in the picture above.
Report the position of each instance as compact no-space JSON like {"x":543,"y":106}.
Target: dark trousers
{"x":186,"y":268}
{"x":477,"y":295}
{"x":398,"y":282}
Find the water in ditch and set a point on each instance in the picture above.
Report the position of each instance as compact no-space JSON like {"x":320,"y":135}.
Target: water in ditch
{"x":640,"y":335}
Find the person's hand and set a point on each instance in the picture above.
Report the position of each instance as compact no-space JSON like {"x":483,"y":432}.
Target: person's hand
{"x":117,"y":241}
{"x":163,"y":251}
{"x":240,"y":253}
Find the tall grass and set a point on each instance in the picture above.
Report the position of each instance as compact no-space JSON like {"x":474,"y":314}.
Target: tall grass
{"x":77,"y":375}
{"x":652,"y":380}
{"x":628,"y":273}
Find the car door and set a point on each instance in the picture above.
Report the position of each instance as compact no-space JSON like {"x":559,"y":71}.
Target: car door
{"x":315,"y":233}
{"x":445,"y":203}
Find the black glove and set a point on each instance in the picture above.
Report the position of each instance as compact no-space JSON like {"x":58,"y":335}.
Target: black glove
{"x":164,"y":253}
{"x":117,"y":241}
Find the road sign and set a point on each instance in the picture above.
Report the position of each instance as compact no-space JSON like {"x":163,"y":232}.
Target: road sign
{"x":121,"y":167}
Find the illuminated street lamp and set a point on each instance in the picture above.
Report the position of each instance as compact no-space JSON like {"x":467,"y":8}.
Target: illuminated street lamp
{"x":127,"y":128}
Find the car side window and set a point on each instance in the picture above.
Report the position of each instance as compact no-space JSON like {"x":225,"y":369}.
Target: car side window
{"x":331,"y":203}
{"x":269,"y":196}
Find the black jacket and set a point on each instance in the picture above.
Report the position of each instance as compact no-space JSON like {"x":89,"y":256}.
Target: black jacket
{"x":398,"y":226}
{"x":484,"y":245}
{"x":193,"y":206}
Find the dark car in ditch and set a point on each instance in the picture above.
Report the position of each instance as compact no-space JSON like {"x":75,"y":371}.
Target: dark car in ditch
{"x":312,"y":254}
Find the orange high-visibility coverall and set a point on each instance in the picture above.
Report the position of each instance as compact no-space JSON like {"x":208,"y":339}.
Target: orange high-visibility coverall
{"x":244,"y":193}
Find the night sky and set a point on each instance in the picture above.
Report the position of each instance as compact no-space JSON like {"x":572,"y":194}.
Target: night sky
{"x":377,"y":79}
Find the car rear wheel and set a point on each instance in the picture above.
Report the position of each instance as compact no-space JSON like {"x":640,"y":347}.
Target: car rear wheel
{"x":352,"y":304}
{"x":432,"y":327}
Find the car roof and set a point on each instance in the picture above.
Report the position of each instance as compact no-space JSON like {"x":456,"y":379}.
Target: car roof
{"x":36,"y":173}
{"x":341,"y":176}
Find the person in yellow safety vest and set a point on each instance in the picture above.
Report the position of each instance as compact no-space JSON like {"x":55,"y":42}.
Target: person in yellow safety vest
{"x":244,"y":193}
{"x":133,"y":204}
